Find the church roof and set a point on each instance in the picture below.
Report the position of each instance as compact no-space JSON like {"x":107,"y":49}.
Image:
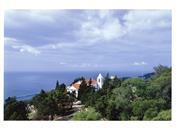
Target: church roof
{"x":77,"y":84}
{"x":93,"y":82}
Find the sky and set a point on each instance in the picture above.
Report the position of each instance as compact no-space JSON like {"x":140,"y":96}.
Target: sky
{"x":87,"y":40}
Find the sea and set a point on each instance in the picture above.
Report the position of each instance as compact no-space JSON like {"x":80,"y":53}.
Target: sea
{"x":24,"y":85}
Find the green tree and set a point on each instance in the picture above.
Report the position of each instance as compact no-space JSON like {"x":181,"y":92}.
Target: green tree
{"x":119,"y":104}
{"x":140,"y":107}
{"x":160,"y":85}
{"x":59,"y":92}
{"x":161,"y":69}
{"x":56,"y":101}
{"x":45,"y":104}
{"x":85,"y":91}
{"x":150,"y":113}
{"x":105,"y":87}
{"x":101,"y":105}
{"x":57,"y":83}
{"x":15,"y":110}
{"x":137,"y":86}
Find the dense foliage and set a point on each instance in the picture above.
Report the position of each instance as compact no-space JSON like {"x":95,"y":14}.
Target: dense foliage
{"x":85,"y":91}
{"x":134,"y":98}
{"x":15,"y":110}
{"x":56,"y":101}
{"x":46,"y":104}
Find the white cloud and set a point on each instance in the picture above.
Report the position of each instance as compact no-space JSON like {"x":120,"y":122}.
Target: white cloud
{"x":9,"y":40}
{"x":19,"y":18}
{"x":139,"y":63}
{"x":91,"y":36}
{"x":58,"y":45}
{"x":26,"y":48}
{"x":105,"y":26}
{"x":15,"y":44}
{"x":102,"y":25}
{"x":147,"y":20}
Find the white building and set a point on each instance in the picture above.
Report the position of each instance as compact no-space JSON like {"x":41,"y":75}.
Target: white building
{"x":100,"y":81}
{"x":96,"y":84}
{"x":74,"y":87}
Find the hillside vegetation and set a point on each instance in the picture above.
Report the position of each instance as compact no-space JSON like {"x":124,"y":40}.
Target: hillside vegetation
{"x":140,"y":98}
{"x":133,"y":98}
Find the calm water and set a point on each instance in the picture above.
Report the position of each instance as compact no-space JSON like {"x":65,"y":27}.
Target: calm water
{"x":25,"y":84}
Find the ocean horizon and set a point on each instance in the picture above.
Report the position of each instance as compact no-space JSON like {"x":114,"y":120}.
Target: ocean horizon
{"x":24,"y":85}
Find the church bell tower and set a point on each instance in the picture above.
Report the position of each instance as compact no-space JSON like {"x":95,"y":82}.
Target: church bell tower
{"x":100,"y":81}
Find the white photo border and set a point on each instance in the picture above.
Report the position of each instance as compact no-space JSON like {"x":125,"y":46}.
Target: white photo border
{"x":172,"y":5}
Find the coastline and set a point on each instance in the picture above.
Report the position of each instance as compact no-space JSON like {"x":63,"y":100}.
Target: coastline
{"x":24,"y":84}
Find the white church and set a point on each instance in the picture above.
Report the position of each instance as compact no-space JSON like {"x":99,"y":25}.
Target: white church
{"x":97,"y":84}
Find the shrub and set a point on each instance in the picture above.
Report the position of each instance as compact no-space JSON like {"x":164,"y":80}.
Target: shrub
{"x":163,"y":115}
{"x":87,"y":114}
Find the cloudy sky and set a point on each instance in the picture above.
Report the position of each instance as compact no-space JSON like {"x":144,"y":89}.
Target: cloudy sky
{"x":82,"y":40}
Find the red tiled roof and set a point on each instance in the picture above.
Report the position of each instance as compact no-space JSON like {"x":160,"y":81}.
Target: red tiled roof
{"x":93,"y":82}
{"x":77,"y":85}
